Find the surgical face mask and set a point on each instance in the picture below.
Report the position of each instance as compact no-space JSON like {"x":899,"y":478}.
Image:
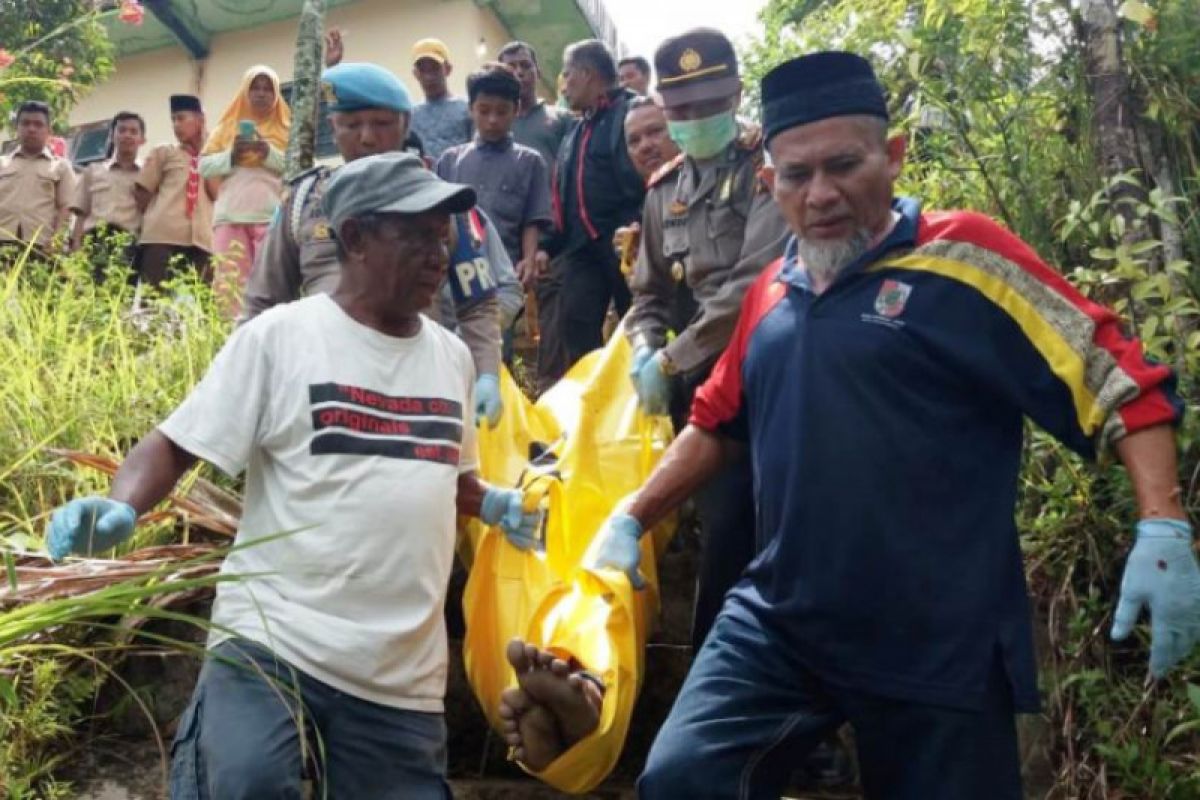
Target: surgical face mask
{"x":704,"y":138}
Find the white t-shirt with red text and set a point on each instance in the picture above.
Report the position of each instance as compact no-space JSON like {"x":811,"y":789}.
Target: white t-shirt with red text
{"x":352,"y":442}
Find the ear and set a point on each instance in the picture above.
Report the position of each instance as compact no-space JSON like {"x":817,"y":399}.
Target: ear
{"x":353,"y":238}
{"x":896,"y":147}
{"x":768,"y":175}
{"x":449,"y":68}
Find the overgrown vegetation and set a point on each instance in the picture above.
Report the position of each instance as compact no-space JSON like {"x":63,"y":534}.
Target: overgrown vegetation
{"x":88,"y":368}
{"x":57,"y":49}
{"x":998,"y":100}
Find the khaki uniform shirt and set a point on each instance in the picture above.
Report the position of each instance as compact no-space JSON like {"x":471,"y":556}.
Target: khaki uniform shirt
{"x":33,"y":191}
{"x":105,"y":194}
{"x":165,"y":175}
{"x":715,"y":227}
{"x":299,"y":258}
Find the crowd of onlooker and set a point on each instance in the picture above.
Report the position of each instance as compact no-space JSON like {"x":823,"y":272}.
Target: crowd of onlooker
{"x":554,"y":181}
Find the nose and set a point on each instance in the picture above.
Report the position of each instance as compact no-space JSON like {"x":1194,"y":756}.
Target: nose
{"x":822,"y":194}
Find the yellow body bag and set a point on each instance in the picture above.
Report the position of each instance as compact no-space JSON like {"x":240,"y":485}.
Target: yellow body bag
{"x":582,"y":447}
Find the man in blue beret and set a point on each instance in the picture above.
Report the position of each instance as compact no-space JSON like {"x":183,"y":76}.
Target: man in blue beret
{"x":879,"y":376}
{"x":351,"y":414}
{"x":370,"y":111}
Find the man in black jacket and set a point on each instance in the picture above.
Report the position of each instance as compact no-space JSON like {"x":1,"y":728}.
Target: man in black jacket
{"x":597,"y":190}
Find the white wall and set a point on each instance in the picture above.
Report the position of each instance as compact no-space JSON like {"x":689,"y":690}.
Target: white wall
{"x":380,"y":31}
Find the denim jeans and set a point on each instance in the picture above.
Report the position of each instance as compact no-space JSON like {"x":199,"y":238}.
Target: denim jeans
{"x":256,"y":726}
{"x":749,"y":711}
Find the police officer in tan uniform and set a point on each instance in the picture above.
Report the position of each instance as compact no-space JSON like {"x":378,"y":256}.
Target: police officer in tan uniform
{"x":708,"y":223}
{"x":371,"y":109}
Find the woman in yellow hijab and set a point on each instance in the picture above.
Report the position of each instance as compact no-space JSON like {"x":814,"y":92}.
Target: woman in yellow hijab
{"x":243,"y":160}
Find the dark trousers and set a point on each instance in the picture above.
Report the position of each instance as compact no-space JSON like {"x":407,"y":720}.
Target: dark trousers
{"x":255,"y":724}
{"x":573,"y":303}
{"x":110,"y":248}
{"x":154,"y":262}
{"x":725,"y":508}
{"x":552,"y":353}
{"x":749,"y":712}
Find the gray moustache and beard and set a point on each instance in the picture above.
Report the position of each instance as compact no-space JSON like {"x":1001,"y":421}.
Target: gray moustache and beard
{"x":825,"y":260}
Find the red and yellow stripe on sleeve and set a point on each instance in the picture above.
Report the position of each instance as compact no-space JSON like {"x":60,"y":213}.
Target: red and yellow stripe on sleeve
{"x":1114,"y":388}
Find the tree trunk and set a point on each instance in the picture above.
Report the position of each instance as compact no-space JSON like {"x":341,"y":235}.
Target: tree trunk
{"x":1113,"y":106}
{"x":306,"y":87}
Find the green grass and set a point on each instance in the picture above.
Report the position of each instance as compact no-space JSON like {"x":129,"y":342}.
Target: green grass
{"x":87,"y":368}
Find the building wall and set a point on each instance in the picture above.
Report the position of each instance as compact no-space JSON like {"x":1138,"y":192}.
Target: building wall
{"x":380,"y":31}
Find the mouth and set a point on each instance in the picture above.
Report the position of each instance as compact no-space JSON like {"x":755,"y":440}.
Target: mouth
{"x":833,"y":228}
{"x":431,"y":279}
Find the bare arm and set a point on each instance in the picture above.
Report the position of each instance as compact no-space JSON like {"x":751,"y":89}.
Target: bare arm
{"x":64,"y":195}
{"x":1150,"y":458}
{"x":530,"y":235}
{"x":150,"y":472}
{"x":61,"y":220}
{"x":77,"y":232}
{"x":142,"y":196}
{"x":691,"y":460}
{"x":471,"y":489}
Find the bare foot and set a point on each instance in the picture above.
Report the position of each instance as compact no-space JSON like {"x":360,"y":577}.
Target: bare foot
{"x":547,"y":682}
{"x":529,"y":730}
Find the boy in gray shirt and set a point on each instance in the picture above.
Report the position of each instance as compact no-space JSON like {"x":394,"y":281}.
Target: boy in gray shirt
{"x":510,"y":179}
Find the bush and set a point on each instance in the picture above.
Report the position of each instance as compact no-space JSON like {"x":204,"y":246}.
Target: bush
{"x":87,"y":367}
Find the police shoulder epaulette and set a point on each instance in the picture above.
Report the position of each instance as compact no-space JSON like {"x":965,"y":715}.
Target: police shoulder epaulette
{"x":665,"y":170}
{"x":300,"y":188}
{"x":318,"y":170}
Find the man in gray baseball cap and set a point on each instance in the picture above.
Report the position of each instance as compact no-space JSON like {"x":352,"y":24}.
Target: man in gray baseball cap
{"x":352,"y":416}
{"x":391,"y":183}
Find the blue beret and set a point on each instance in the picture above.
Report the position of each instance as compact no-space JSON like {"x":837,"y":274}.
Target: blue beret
{"x":352,"y":87}
{"x":819,"y":86}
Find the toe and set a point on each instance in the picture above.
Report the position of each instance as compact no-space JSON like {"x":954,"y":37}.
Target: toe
{"x":516,"y":700}
{"x":531,"y":656}
{"x":517,"y":655}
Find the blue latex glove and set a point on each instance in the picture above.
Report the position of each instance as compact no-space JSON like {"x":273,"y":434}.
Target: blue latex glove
{"x":652,"y":385}
{"x":640,"y":356}
{"x":505,"y":508}
{"x":1162,"y":574}
{"x":88,"y":525}
{"x":618,"y":548}
{"x":488,"y":404}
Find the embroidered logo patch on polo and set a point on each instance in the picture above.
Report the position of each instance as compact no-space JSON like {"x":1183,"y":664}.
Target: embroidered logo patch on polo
{"x":891,"y":298}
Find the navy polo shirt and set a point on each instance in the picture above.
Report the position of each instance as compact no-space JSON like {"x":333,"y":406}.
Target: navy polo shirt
{"x":884,"y":419}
